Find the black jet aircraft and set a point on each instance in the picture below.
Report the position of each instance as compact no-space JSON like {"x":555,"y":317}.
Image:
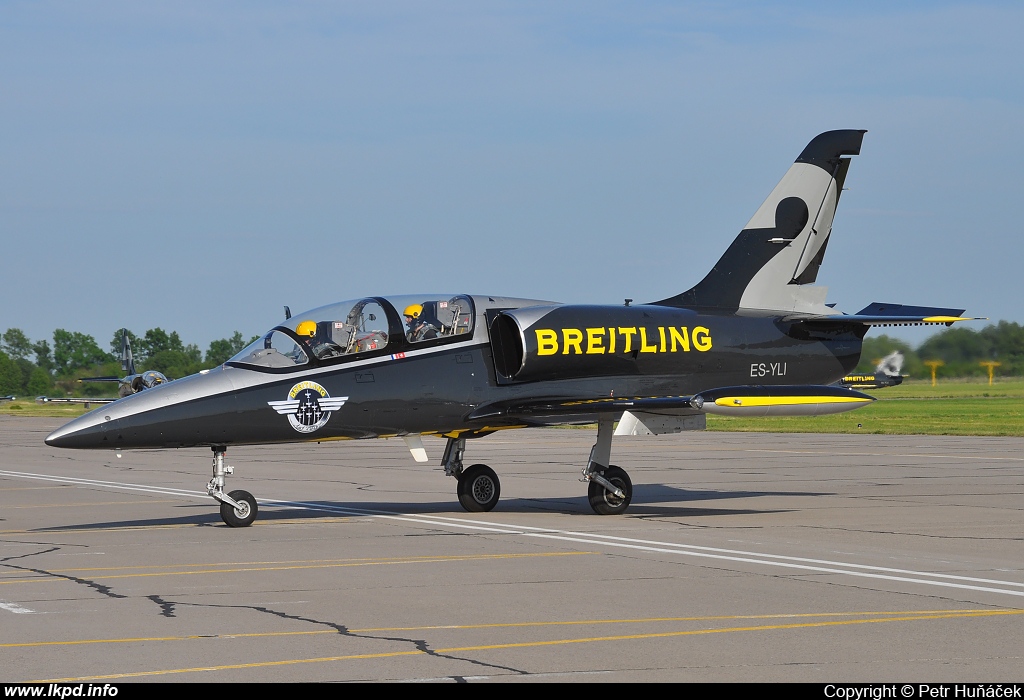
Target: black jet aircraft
{"x":132,"y":383}
{"x":753,"y":338}
{"x":887,"y":373}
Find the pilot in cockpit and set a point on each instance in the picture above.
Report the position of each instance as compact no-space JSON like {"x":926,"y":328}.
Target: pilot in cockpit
{"x":307,"y":332}
{"x":316,"y":346}
{"x":419,"y":329}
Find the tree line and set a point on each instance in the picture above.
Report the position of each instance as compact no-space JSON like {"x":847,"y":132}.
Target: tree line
{"x":37,"y":368}
{"x":960,"y":349}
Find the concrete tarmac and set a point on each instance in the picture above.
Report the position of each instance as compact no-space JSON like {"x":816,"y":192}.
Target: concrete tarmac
{"x":744,"y":557}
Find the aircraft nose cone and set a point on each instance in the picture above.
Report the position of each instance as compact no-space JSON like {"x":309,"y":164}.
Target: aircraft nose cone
{"x":84,"y":432}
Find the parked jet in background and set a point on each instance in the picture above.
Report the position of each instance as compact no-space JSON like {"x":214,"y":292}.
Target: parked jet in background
{"x":887,"y":373}
{"x":132,"y":383}
{"x":753,"y":338}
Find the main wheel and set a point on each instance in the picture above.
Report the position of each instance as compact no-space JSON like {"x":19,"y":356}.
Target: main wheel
{"x":605,"y":503}
{"x":479,"y":489}
{"x":239,"y":517}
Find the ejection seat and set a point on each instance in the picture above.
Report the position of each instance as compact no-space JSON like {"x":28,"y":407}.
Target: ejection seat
{"x":454,"y":316}
{"x":332,"y":338}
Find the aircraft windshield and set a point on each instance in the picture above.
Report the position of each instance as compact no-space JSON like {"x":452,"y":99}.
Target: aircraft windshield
{"x":359,"y":327}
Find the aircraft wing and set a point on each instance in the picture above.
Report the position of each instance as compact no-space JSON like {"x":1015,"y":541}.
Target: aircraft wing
{"x":779,"y":400}
{"x":73,"y":399}
{"x":879,"y":314}
{"x":567,"y":406}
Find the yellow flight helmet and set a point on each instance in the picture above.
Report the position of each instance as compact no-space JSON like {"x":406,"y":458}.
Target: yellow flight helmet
{"x":413,"y":310}
{"x":307,"y":328}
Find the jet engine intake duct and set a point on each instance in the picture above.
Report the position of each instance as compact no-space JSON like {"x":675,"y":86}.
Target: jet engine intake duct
{"x":542,"y":343}
{"x":507,"y":346}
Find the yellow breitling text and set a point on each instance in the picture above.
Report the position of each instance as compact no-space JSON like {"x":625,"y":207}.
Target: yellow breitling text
{"x":621,"y":340}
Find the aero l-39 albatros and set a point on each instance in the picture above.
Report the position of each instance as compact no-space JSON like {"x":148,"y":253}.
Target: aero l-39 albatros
{"x":132,"y":383}
{"x":754,"y":337}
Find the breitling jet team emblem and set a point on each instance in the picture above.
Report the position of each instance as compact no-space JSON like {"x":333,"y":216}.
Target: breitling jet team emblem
{"x":308,"y":406}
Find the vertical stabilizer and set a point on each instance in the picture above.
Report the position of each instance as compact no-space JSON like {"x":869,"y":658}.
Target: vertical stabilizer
{"x":127,"y":359}
{"x":774,"y":261}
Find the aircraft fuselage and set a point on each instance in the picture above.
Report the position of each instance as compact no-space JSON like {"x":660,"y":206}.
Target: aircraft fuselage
{"x":513,"y":349}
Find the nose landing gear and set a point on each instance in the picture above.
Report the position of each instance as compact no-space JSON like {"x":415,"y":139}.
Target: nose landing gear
{"x":238,"y":508}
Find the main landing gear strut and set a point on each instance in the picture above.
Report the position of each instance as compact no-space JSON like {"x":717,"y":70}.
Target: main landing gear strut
{"x":238,"y":508}
{"x":610,"y":490}
{"x":479,"y":488}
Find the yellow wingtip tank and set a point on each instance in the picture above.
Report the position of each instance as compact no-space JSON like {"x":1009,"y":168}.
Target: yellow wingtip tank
{"x":782,"y":401}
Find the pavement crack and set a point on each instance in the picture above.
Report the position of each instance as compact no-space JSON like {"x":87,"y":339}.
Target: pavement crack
{"x":168,"y":608}
{"x":968,"y":538}
{"x":43,"y":544}
{"x":98,"y":587}
{"x":4,"y":561}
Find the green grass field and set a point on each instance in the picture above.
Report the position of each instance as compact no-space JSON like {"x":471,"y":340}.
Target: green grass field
{"x":954,"y":407}
{"x":28,"y":407}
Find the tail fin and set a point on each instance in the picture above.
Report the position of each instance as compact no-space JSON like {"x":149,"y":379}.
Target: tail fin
{"x":127,"y":360}
{"x":776,"y":257}
{"x":891,"y":365}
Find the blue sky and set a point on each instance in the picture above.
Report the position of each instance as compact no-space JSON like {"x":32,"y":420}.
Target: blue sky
{"x":196,"y":166}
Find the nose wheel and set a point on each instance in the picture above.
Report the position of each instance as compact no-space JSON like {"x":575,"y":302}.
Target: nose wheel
{"x":244,"y":514}
{"x":238,"y":508}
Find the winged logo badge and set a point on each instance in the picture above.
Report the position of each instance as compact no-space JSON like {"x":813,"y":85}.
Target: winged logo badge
{"x":308,"y":406}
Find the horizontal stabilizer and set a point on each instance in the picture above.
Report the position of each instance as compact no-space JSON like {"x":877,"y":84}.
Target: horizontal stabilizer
{"x":878,"y":314}
{"x":72,"y":399}
{"x":876,"y":308}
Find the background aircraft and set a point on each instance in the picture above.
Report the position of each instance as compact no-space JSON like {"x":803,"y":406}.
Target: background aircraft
{"x":887,"y":373}
{"x":132,"y":383}
{"x":754,"y":337}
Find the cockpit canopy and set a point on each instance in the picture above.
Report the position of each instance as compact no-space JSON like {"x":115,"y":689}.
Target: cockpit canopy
{"x":360,"y":328}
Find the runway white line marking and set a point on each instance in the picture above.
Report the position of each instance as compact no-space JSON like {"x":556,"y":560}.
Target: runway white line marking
{"x":75,"y":481}
{"x":741,"y":556}
{"x":882,"y":454}
{"x":15,"y":608}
